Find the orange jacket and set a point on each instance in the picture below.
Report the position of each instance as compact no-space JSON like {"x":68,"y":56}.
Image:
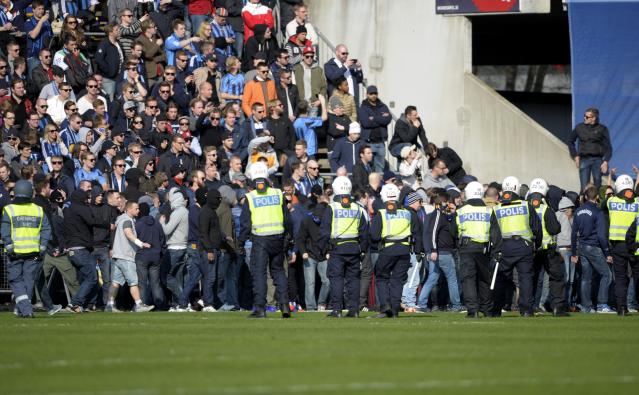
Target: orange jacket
{"x":253,"y":93}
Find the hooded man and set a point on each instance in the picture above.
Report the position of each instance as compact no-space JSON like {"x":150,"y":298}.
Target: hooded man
{"x":176,"y":229}
{"x":209,"y":236}
{"x":147,"y":260}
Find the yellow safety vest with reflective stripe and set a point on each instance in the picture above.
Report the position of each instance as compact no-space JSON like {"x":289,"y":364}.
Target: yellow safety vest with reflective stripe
{"x":637,"y":233}
{"x":395,"y":227}
{"x":547,"y":240}
{"x":474,"y":222}
{"x":26,"y":221}
{"x":622,"y":214}
{"x":267,"y":218}
{"x":513,"y":220}
{"x":345,"y":221}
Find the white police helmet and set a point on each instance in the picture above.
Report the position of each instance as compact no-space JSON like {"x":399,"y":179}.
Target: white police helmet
{"x":538,"y":185}
{"x":623,"y":182}
{"x":258,"y":170}
{"x":474,"y":190}
{"x":342,"y":186}
{"x":390,"y":192}
{"x":510,"y":184}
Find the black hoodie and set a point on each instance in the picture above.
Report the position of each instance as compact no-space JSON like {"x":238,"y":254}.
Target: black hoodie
{"x":79,"y":221}
{"x":209,"y":223}
{"x":307,"y":239}
{"x":103,"y":212}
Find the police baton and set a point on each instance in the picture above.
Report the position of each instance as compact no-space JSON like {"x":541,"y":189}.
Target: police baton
{"x":492,"y":283}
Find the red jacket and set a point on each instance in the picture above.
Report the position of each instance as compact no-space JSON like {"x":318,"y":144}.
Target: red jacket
{"x":255,"y":14}
{"x":200,"y":7}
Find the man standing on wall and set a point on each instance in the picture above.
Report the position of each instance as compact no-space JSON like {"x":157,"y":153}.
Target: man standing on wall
{"x":595,"y":149}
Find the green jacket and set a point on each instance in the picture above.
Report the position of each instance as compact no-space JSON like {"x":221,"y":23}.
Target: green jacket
{"x":318,"y":81}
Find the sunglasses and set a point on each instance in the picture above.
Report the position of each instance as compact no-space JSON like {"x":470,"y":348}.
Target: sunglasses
{"x":137,"y":152}
{"x":169,"y":73}
{"x":185,"y":123}
{"x":92,"y":86}
{"x":128,"y":15}
{"x":313,"y":168}
{"x":75,"y":109}
{"x":119,"y":165}
{"x":152,"y":107}
{"x":56,"y":162}
{"x":53,"y":131}
{"x":72,"y":22}
{"x":309,"y":56}
{"x":44,"y":106}
{"x":182,"y":60}
{"x":67,"y":89}
{"x":215,"y":118}
{"x":91,"y":160}
{"x":165,"y":91}
{"x":138,"y":122}
{"x":3,"y":67}
{"x":13,"y":138}
{"x":46,"y":56}
{"x":151,"y":164}
{"x":344,"y":53}
{"x":130,"y":92}
{"x":132,"y":68}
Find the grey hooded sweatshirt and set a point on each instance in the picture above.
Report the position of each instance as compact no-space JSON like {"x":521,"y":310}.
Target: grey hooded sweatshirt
{"x":177,"y":229}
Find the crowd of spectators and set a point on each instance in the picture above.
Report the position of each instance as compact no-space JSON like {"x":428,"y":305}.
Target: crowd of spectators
{"x":170,"y":110}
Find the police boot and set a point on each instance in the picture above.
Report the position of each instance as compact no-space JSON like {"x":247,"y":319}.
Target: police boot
{"x":623,"y":311}
{"x":385,"y":312}
{"x":335,"y":314}
{"x":258,"y":312}
{"x":472,"y":314}
{"x":286,"y":310}
{"x":560,"y":312}
{"x":352,"y":314}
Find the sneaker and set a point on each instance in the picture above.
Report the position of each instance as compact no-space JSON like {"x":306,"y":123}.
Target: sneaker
{"x":605,"y":309}
{"x":423,"y":309}
{"x":142,"y":308}
{"x":632,"y":310}
{"x":364,"y":309}
{"x":74,"y":309}
{"x":322,"y":307}
{"x":271,"y":309}
{"x":189,"y":309}
{"x":38,"y":306}
{"x":110,"y":308}
{"x":178,"y":309}
{"x":588,"y":311}
{"x":200,"y":302}
{"x":209,"y":309}
{"x":172,"y":309}
{"x":54,"y":309}
{"x":410,"y":309}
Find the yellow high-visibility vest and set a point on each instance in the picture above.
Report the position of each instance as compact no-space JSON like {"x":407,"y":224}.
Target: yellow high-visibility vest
{"x":547,"y":239}
{"x":267,"y":218}
{"x":513,"y":220}
{"x":345,"y":221}
{"x":395,"y":227}
{"x":622,"y":214}
{"x":474,"y":222}
{"x":26,"y":222}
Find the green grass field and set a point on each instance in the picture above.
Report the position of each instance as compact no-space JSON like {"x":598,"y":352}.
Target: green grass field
{"x":225,"y":353}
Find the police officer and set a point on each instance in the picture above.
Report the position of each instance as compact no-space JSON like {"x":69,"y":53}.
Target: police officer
{"x":25,"y":233}
{"x":262,"y":220}
{"x":475,"y":224}
{"x":547,"y":257}
{"x":398,"y":233}
{"x":343,"y":233}
{"x":621,"y":210}
{"x":632,"y":243}
{"x":520,"y":230}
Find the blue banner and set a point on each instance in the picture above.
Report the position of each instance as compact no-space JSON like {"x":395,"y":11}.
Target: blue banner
{"x":604,"y":41}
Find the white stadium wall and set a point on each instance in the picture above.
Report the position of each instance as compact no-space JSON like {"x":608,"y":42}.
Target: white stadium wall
{"x":417,"y":57}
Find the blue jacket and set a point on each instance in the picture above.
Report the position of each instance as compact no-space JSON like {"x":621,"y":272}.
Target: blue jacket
{"x":149,"y":231}
{"x":345,"y":153}
{"x":373,"y":121}
{"x":589,"y":228}
{"x":107,"y":60}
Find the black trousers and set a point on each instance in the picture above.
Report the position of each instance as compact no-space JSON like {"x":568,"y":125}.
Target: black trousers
{"x":391,"y":274}
{"x":621,"y":259}
{"x":476,"y":273}
{"x":552,"y":262}
{"x":344,"y":271}
{"x":268,"y":252}
{"x":516,"y":254}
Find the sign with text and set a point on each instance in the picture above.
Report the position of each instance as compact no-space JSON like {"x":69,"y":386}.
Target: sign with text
{"x":457,"y":7}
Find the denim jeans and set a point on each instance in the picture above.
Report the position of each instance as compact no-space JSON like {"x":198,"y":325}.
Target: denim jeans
{"x":587,"y":166}
{"x":227,"y":274}
{"x":175,"y":276}
{"x":149,"y":282}
{"x":445,"y":264}
{"x":196,"y":20}
{"x":592,"y":258}
{"x":85,"y":264}
{"x":379,"y":156}
{"x":570,"y":275}
{"x":310,"y":267}
{"x":109,"y":87}
{"x":199,"y":268}
{"x":101,"y":255}
{"x":409,"y":295}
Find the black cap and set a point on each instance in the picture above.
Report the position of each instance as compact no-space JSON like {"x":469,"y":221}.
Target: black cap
{"x":259,"y":55}
{"x":176,"y":168}
{"x":161,"y":117}
{"x":57,"y":70}
{"x":301,"y":29}
{"x":371,"y":89}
